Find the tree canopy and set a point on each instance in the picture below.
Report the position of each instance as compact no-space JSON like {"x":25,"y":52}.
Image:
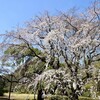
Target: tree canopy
{"x":64,"y":43}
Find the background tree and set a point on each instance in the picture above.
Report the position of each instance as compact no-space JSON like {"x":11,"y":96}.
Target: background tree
{"x":2,"y":84}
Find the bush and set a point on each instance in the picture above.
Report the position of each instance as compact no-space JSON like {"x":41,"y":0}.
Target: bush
{"x":56,"y":97}
{"x":59,"y":97}
{"x":86,"y":94}
{"x":1,"y":92}
{"x":86,"y":98}
{"x":20,"y":89}
{"x":98,"y":86}
{"x":1,"y":87}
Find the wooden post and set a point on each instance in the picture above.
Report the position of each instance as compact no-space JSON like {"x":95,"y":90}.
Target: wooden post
{"x":11,"y":77}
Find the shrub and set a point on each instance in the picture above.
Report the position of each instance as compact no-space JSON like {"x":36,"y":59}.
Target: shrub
{"x":1,"y":87}
{"x":86,"y":98}
{"x":87,"y":87}
{"x":86,"y":94}
{"x":59,"y":97}
{"x":98,"y":86}
{"x":56,"y":97}
{"x":1,"y":92}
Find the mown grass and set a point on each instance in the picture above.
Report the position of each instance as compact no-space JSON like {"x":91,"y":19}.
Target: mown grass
{"x":15,"y":96}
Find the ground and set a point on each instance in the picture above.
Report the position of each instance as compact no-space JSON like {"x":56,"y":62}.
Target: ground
{"x":18,"y":96}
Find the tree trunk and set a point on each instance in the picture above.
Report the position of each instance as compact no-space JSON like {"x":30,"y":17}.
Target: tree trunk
{"x":39,"y":96}
{"x":74,"y":96}
{"x":10,"y":87}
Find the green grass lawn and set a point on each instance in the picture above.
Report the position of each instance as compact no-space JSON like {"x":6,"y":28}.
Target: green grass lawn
{"x":15,"y":96}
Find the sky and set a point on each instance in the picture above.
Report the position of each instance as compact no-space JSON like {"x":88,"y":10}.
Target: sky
{"x":15,"y":13}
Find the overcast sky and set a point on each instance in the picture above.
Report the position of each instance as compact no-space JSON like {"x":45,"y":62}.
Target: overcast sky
{"x":14,"y":13}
